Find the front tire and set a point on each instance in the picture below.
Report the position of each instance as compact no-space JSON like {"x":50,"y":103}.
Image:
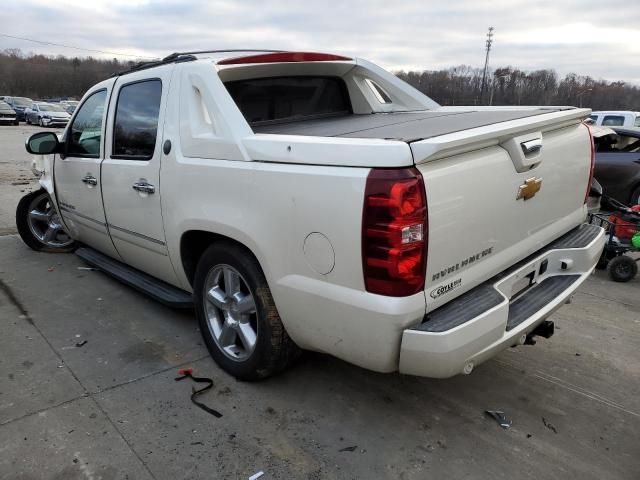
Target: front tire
{"x":237,"y":316}
{"x":622,"y":268}
{"x":40,"y":226}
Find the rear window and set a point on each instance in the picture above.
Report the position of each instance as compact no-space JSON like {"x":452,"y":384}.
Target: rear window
{"x":613,"y":121}
{"x":285,"y":99}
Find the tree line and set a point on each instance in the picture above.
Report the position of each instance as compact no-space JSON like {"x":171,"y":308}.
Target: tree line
{"x":41,"y":76}
{"x":463,"y":85}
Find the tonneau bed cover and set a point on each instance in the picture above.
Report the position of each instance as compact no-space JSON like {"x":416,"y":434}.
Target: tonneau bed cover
{"x":403,"y":126}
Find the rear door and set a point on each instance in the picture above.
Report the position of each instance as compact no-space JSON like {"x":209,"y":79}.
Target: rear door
{"x":77,"y":172}
{"x":131,"y":170}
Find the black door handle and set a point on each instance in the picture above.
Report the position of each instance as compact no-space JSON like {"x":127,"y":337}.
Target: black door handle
{"x":166,"y":148}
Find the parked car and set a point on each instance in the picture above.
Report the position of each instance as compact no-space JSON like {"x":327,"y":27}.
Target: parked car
{"x":69,"y":106}
{"x":19,"y":105}
{"x":47,"y":115}
{"x":618,"y":163}
{"x":616,"y":118}
{"x":7,"y":114}
{"x":315,"y":201}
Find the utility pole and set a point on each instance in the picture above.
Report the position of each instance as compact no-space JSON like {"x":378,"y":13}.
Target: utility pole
{"x":485,"y":72}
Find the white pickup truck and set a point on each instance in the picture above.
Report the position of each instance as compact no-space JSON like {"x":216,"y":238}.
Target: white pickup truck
{"x":313,"y":201}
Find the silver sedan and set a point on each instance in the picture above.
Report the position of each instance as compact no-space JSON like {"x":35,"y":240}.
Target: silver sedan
{"x":47,"y":115}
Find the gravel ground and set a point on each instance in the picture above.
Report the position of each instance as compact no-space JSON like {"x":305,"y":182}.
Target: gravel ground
{"x":16,"y":178}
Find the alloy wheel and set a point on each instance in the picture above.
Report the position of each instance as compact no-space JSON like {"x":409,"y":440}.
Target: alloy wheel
{"x":231,"y":313}
{"x":45,"y":224}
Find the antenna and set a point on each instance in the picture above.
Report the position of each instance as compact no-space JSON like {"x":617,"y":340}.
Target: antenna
{"x":485,"y":72}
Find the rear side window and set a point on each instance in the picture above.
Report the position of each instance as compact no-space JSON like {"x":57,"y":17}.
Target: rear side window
{"x":613,"y":121}
{"x":637,"y":122}
{"x":284,"y":99}
{"x":378,"y":92}
{"x":136,"y":120}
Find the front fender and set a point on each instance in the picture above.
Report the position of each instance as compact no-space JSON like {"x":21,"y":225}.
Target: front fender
{"x":42,"y":167}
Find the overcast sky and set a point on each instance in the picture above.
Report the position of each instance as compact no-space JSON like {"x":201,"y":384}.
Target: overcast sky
{"x":598,"y":38}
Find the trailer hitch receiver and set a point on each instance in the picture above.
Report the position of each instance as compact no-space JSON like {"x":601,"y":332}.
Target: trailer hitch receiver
{"x":545,"y":330}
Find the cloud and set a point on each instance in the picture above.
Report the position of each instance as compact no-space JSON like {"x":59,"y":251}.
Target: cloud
{"x":597,"y":38}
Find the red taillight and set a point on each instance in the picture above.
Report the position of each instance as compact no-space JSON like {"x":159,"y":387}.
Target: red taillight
{"x":284,"y":57}
{"x":394,"y":232}
{"x":593,"y":162}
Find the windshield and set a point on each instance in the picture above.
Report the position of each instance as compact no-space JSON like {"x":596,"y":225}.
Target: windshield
{"x":22,"y":101}
{"x":47,"y":107}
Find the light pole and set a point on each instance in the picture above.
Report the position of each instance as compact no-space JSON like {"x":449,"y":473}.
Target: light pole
{"x":579,"y":95}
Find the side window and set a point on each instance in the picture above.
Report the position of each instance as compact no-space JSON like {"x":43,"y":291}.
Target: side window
{"x":613,"y":121}
{"x":637,"y":122}
{"x":85,"y":134}
{"x":136,"y":120}
{"x":378,"y":92}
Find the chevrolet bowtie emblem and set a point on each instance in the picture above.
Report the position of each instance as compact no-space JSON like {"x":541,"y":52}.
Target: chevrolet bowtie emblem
{"x":529,"y":189}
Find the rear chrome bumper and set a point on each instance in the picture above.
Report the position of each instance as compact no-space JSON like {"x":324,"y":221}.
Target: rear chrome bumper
{"x":480,"y":323}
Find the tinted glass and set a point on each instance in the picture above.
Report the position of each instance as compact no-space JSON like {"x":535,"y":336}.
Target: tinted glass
{"x":86,"y":130}
{"x":22,"y":101}
{"x":136,"y":122}
{"x":613,"y":121}
{"x":379,"y":93}
{"x":48,"y":107}
{"x":288,"y":98}
{"x":637,"y":122}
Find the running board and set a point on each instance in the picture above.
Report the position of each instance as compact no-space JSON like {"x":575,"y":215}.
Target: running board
{"x":156,"y":289}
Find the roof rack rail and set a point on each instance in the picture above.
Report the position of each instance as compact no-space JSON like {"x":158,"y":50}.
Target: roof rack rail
{"x":178,"y":57}
{"x":173,"y":58}
{"x":228,"y":50}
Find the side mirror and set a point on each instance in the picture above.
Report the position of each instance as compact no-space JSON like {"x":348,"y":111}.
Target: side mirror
{"x":42,"y":143}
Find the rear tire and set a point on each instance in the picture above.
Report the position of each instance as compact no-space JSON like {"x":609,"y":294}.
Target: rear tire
{"x":622,"y":268}
{"x":39,"y":225}
{"x":237,"y":316}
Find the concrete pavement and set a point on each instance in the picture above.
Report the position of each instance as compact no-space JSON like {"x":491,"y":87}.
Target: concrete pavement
{"x":110,"y":409}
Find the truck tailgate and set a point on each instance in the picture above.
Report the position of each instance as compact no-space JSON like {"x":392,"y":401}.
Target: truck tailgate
{"x":490,"y":204}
